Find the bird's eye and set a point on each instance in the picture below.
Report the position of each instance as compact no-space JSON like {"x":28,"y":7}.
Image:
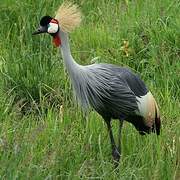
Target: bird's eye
{"x":53,"y":28}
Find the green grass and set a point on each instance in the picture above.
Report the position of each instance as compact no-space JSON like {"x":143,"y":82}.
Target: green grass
{"x":40,"y":141}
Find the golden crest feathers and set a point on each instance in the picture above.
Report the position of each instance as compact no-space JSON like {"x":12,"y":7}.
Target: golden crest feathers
{"x":69,"y":16}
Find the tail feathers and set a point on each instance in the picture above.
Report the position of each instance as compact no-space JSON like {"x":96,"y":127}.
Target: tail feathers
{"x":142,"y":127}
{"x":157,"y":120}
{"x":139,"y":123}
{"x":158,"y":125}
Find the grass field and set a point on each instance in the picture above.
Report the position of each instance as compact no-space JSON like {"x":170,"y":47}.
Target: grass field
{"x":43,"y":133}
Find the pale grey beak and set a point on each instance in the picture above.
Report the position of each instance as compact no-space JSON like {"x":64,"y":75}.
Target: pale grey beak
{"x":41,"y":29}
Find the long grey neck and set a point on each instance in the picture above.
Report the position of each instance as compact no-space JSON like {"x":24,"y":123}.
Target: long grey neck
{"x":69,"y":62}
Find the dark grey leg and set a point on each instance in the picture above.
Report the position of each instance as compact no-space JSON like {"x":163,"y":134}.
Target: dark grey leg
{"x":120,"y":135}
{"x":115,"y":152}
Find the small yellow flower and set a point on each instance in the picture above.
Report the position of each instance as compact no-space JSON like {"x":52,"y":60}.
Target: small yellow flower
{"x":125,"y":48}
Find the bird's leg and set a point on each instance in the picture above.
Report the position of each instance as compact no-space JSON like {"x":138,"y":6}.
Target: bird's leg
{"x":119,"y":136}
{"x":115,"y":152}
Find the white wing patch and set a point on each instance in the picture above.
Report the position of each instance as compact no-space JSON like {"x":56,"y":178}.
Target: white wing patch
{"x":147,"y":107}
{"x":142,"y":104}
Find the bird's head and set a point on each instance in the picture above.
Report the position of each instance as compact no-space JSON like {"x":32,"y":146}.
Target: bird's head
{"x":51,"y":26}
{"x":67,"y":18}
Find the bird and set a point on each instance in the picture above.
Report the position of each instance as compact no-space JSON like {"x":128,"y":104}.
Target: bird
{"x":112,"y":91}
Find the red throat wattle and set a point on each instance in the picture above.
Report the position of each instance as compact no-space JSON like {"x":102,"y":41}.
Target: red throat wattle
{"x":57,"y":40}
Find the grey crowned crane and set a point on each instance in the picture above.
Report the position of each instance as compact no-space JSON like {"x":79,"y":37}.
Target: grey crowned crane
{"x":114,"y":92}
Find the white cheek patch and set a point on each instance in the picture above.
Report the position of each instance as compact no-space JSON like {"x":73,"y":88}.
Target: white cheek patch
{"x":53,"y":28}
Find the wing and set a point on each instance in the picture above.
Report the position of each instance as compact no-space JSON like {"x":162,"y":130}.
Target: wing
{"x":108,"y":93}
{"x":147,"y":117}
{"x":148,"y":109}
{"x":134,"y":82}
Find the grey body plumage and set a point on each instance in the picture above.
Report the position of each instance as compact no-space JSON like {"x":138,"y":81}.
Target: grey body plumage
{"x":114,"y":92}
{"x":109,"y":89}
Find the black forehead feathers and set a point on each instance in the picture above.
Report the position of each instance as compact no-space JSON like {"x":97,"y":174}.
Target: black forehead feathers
{"x":45,"y":20}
